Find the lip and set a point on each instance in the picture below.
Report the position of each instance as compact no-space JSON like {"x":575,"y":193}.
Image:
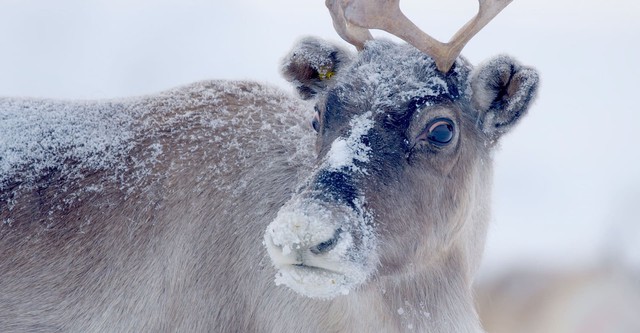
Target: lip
{"x":314,"y":269}
{"x":305,"y":275}
{"x":313,"y":281}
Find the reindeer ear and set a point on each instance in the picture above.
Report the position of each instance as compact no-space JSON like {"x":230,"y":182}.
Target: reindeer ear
{"x":502,"y":93}
{"x":312,"y":64}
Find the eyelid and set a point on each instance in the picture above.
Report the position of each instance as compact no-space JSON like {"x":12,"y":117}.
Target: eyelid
{"x":431,"y":126}
{"x":438,"y":122}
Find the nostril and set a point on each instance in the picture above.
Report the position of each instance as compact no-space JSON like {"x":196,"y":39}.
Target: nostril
{"x":328,"y":245}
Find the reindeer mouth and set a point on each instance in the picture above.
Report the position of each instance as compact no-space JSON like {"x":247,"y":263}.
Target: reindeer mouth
{"x":314,"y":268}
{"x":313,"y":281}
{"x":311,"y":277}
{"x":316,"y":251}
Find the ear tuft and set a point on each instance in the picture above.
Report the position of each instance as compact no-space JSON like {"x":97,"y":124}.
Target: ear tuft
{"x":502,"y":93}
{"x":312,"y":64}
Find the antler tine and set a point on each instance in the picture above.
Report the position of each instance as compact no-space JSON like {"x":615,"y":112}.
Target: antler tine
{"x":488,"y":9}
{"x":353,"y":34}
{"x":386,"y":15}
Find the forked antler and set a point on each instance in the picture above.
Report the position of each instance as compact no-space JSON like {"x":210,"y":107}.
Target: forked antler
{"x":352,"y":18}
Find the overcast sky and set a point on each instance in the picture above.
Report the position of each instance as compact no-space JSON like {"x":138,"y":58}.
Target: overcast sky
{"x":567,"y":186}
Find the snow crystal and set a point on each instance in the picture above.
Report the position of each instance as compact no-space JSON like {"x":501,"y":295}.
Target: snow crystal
{"x":304,"y":223}
{"x":40,"y":136}
{"x":344,"y":153}
{"x":413,"y":75}
{"x":318,"y":54}
{"x":298,"y":224}
{"x":313,"y":283}
{"x":127,"y":144}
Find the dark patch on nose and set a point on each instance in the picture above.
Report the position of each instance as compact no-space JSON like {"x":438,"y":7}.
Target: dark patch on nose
{"x":337,"y":186}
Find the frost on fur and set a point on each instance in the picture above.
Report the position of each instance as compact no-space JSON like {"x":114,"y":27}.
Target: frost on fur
{"x":312,"y":64}
{"x":345,"y":152}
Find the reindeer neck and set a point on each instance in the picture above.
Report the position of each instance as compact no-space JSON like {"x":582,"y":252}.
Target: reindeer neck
{"x":432,"y":299}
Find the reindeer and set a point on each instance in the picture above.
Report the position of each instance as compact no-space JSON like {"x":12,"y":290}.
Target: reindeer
{"x":207,"y":208}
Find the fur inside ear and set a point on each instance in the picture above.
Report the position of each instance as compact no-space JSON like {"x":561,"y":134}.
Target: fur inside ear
{"x":312,"y":64}
{"x":502,"y":93}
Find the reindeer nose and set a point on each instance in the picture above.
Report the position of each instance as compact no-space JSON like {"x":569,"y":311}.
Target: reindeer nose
{"x":295,"y":249}
{"x":295,"y":238}
{"x":327,"y":245}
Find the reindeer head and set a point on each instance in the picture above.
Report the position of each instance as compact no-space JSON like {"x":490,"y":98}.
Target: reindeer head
{"x":403,"y":173}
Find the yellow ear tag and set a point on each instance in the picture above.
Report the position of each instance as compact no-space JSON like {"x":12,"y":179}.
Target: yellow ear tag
{"x":324,"y":73}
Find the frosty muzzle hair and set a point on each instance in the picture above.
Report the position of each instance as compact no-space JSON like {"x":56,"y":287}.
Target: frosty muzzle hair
{"x":322,"y":241}
{"x":320,"y":252}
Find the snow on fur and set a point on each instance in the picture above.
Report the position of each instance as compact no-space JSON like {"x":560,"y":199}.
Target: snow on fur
{"x":386,"y":87}
{"x":302,"y":223}
{"x":345,"y":152}
{"x":122,"y":142}
{"x":36,"y":136}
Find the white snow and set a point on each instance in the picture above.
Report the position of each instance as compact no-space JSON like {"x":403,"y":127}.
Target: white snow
{"x":312,"y":283}
{"x":123,"y":143}
{"x":73,"y":137}
{"x":303,"y":223}
{"x":300,"y":224}
{"x":319,"y":59}
{"x":386,"y":87}
{"x":345,"y":152}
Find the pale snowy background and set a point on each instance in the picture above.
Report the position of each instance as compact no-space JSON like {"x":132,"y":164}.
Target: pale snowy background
{"x":567,"y":188}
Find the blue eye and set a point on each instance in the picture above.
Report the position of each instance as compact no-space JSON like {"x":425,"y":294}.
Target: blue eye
{"x":439,"y":132}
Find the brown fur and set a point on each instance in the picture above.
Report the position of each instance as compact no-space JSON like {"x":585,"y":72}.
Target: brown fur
{"x":147,"y":260}
{"x":173,"y":242}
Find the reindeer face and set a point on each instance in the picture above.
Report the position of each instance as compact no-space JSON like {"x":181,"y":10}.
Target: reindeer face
{"x":400,"y":148}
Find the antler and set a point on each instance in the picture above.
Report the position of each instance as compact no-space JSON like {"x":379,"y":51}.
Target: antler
{"x":352,"y":18}
{"x":352,"y":34}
